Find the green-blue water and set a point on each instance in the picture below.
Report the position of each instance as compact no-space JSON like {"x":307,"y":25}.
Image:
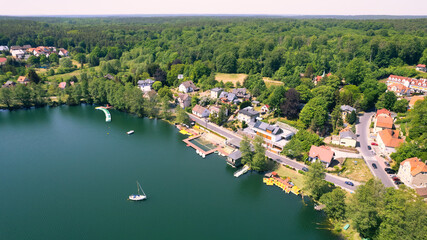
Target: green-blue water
{"x":66,"y":174}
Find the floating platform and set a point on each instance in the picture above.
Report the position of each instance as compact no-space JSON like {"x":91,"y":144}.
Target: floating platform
{"x":107,"y":113}
{"x":285,"y":184}
{"x":241,"y":171}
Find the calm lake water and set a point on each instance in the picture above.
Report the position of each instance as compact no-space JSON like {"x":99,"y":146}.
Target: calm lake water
{"x":66,"y":174}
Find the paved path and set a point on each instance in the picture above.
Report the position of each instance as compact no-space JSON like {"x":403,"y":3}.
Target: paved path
{"x":231,"y":136}
{"x":362,"y":131}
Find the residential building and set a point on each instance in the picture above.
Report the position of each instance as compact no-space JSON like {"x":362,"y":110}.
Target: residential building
{"x":388,"y":140}
{"x":215,"y":109}
{"x":109,"y":76}
{"x":3,"y":61}
{"x":414,"y":99}
{"x":274,"y":136}
{"x":63,"y":52}
{"x":19,"y":54}
{"x":9,"y":84}
{"x":422,"y":192}
{"x":215,"y":92}
{"x":317,"y":79}
{"x":145,"y":85}
{"x":413,"y":173}
{"x":247,"y":115}
{"x":345,"y":109}
{"x":383,"y":120}
{"x":265,"y":108}
{"x":200,"y":111}
{"x":322,"y":153}
{"x":184,"y":100}
{"x":241,"y":93}
{"x":416,"y":85}
{"x":399,"y":89}
{"x":187,"y":87}
{"x":229,"y":98}
{"x":4,"y":48}
{"x":23,"y":80}
{"x":421,"y":67}
{"x":180,"y":76}
{"x":62,"y":85}
{"x":346,"y":138}
{"x":234,"y":159}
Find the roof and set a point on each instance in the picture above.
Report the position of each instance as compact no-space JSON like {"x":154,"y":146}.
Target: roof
{"x":2,"y":59}
{"x":231,"y":96}
{"x":147,"y":81}
{"x":417,"y":166}
{"x":383,"y":111}
{"x":422,"y":192}
{"x":384,"y":121}
{"x":346,"y":108}
{"x":348,"y":134}
{"x":109,"y":76}
{"x":324,"y":153}
{"x":216,"y":89}
{"x":189,"y":84}
{"x":265,"y":126}
{"x":414,"y":99}
{"x":183,"y":96}
{"x":199,"y":109}
{"x":390,"y":138}
{"x":267,"y":106}
{"x":398,"y":88}
{"x":421,"y":65}
{"x":235,"y":155}
{"x":23,"y":79}
{"x":248,"y":111}
{"x":62,"y":85}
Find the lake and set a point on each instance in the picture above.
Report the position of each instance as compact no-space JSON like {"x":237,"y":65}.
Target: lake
{"x":66,"y":174}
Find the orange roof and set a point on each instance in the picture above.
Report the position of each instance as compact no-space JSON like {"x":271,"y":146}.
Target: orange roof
{"x":421,"y":65}
{"x":62,"y":85}
{"x":390,"y":138}
{"x":415,"y":99}
{"x":398,"y":87}
{"x":2,"y":59}
{"x":384,"y":121}
{"x":417,"y":166}
{"x":323,"y":153}
{"x":22,"y":79}
{"x":383,"y":111}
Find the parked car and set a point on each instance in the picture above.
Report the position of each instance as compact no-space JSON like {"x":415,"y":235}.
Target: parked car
{"x":305,"y":169}
{"x":387,"y":164}
{"x":374,"y":144}
{"x":398,"y":182}
{"x":374,"y":165}
{"x":349,"y":183}
{"x":369,"y":148}
{"x":389,"y":171}
{"x":396,"y":179}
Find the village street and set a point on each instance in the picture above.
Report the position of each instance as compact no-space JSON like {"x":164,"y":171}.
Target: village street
{"x":235,"y":140}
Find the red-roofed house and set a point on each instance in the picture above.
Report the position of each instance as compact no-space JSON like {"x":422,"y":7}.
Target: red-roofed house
{"x":62,"y":85}
{"x":383,"y":111}
{"x":399,"y":89}
{"x":62,"y":52}
{"x":322,"y":153}
{"x":3,"y":61}
{"x":265,"y":108}
{"x":413,"y":173}
{"x":388,"y":140}
{"x":383,"y":122}
{"x":416,"y":85}
{"x":23,"y":80}
{"x":421,"y":67}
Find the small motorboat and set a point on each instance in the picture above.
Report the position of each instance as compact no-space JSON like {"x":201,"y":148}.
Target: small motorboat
{"x":130,"y":132}
{"x":139,"y":196}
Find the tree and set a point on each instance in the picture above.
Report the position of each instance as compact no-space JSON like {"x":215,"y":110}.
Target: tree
{"x":66,"y":63}
{"x":165,"y":92}
{"x":157,"y":85}
{"x":355,"y":71}
{"x":301,"y":143}
{"x":401,"y":106}
{"x":33,"y":60}
{"x":160,"y":75}
{"x":335,"y":203}
{"x":245,"y":149}
{"x":305,"y":93}
{"x":53,"y":58}
{"x":6,"y":97}
{"x":315,"y":111}
{"x":386,"y":100}
{"x":259,"y":162}
{"x":166,"y":113}
{"x":336,"y":118}
{"x":352,"y":117}
{"x":365,"y":206}
{"x":81,"y":58}
{"x":226,"y":63}
{"x":182,"y":116}
{"x":290,"y":107}
{"x":314,"y":180}
{"x":32,"y":75}
{"x":245,"y":104}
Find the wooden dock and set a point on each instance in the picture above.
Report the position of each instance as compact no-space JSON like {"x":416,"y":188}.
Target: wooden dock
{"x":202,"y":152}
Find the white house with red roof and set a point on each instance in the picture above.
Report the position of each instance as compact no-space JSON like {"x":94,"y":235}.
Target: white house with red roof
{"x":322,"y":153}
{"x":421,"y":67}
{"x":63,"y":52}
{"x":416,"y":85}
{"x":266,"y":108}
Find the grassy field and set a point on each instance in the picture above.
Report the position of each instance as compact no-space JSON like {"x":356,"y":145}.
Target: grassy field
{"x":65,"y":75}
{"x":356,"y":171}
{"x":240,"y":77}
{"x":297,"y":178}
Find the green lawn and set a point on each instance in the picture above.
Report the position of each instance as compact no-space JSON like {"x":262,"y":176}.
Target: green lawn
{"x":356,"y":171}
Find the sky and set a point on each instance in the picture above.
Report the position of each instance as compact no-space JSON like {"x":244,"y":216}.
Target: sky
{"x":268,"y":7}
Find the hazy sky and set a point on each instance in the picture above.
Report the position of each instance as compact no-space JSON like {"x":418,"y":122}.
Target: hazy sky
{"x":309,"y":7}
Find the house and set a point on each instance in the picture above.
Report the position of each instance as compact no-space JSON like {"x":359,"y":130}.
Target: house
{"x":322,"y":153}
{"x":388,"y":140}
{"x":421,"y":67}
{"x":62,"y":85}
{"x":265,"y":108}
{"x":414,"y":99}
{"x":234,"y":159}
{"x":383,"y":120}
{"x":229,"y":98}
{"x":215,"y":92}
{"x":23,"y":80}
{"x":416,"y":85}
{"x":63,"y":52}
{"x":413,"y":173}
{"x":180,"y":76}
{"x":145,"y":85}
{"x":217,"y":109}
{"x":317,"y":79}
{"x":200,"y":111}
{"x":9,"y":84}
{"x":347,"y":138}
{"x":19,"y":54}
{"x":3,"y":61}
{"x":241,"y":93}
{"x":25,"y":47}
{"x":4,"y":48}
{"x":184,"y":100}
{"x":274,"y":136}
{"x":187,"y":86}
{"x":247,"y":115}
{"x":422,"y":192}
{"x":109,"y":77}
{"x":345,"y":109}
{"x":15,"y":48}
{"x":399,"y":89}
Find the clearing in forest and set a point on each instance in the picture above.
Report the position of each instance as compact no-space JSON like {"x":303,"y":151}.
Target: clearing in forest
{"x":240,"y":77}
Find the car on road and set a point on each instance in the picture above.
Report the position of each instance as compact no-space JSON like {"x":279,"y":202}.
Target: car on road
{"x":369,"y":148}
{"x":349,"y":183}
{"x":374,"y":165}
{"x":395,"y":179}
{"x":374,"y":144}
{"x":389,"y":171}
{"x":398,"y":182}
{"x":387,"y":164}
{"x":305,"y":169}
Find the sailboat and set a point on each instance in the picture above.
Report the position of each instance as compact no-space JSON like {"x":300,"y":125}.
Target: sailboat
{"x":139,"y":196}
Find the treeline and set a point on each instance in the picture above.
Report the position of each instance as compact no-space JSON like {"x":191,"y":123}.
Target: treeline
{"x":374,"y":211}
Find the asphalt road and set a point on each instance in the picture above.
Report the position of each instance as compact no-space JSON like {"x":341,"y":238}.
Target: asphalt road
{"x":338,"y":181}
{"x":362,"y":131}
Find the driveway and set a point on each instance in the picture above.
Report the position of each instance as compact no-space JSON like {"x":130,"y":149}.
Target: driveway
{"x":362,"y":131}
